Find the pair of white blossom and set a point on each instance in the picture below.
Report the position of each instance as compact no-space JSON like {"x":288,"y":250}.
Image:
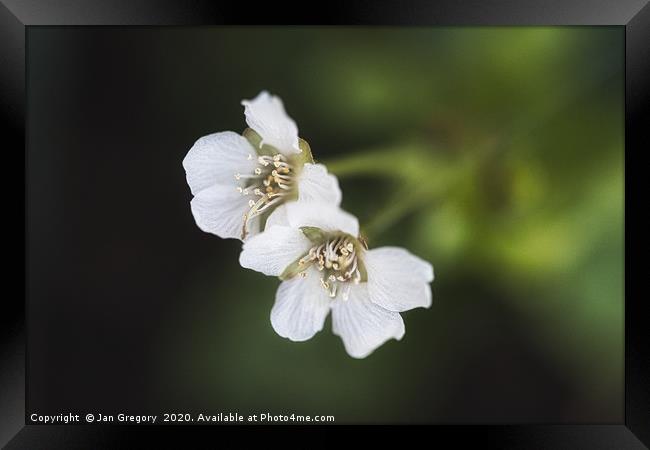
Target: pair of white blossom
{"x":264,"y":188}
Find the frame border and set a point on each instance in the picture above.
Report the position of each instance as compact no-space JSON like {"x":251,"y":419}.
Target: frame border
{"x":17,"y":16}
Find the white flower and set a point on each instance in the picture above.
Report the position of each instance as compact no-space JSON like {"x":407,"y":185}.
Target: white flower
{"x":237,"y":181}
{"x":326,"y":266}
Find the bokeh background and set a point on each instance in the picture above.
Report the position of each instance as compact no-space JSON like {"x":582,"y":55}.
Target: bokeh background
{"x":494,"y":153}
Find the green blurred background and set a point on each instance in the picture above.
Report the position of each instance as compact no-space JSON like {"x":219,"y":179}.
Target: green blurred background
{"x":494,"y":153}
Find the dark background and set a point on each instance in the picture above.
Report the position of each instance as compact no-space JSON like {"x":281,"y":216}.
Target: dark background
{"x":132,"y":309}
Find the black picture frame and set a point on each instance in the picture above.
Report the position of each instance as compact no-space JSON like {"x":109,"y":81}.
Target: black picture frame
{"x":16,"y":17}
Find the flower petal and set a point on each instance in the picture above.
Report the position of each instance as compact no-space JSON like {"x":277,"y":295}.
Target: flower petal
{"x":316,"y":185}
{"x":301,"y":306}
{"x":278,"y":217}
{"x":266,"y":115}
{"x":271,"y":251}
{"x":397,"y":279}
{"x":220,"y":209}
{"x":216,"y":158}
{"x":362,"y":325}
{"x":322,"y":215}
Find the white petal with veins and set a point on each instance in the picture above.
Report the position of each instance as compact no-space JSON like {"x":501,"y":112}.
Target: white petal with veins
{"x":216,"y":158}
{"x":271,"y":251}
{"x":219,"y":210}
{"x":278,"y":217}
{"x":362,"y":325}
{"x":266,"y":115}
{"x":322,"y":215}
{"x":397,"y":279}
{"x":317,"y":185}
{"x":300,"y":308}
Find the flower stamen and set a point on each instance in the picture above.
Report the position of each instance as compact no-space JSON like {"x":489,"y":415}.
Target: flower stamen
{"x":277,"y":178}
{"x":338,"y":262}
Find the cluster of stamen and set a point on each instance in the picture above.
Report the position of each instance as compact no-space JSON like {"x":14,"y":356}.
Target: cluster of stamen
{"x":337,"y":261}
{"x":269,"y":184}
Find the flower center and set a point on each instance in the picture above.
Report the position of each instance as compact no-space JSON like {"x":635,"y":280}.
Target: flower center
{"x":338,"y":262}
{"x":271,"y":183}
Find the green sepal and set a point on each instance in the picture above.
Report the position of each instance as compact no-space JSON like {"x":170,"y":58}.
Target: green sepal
{"x":305,"y":156}
{"x":362,"y":271}
{"x":360,"y":246}
{"x":255,"y":140}
{"x":292,"y":270}
{"x":314,"y":234}
{"x":299,"y":159}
